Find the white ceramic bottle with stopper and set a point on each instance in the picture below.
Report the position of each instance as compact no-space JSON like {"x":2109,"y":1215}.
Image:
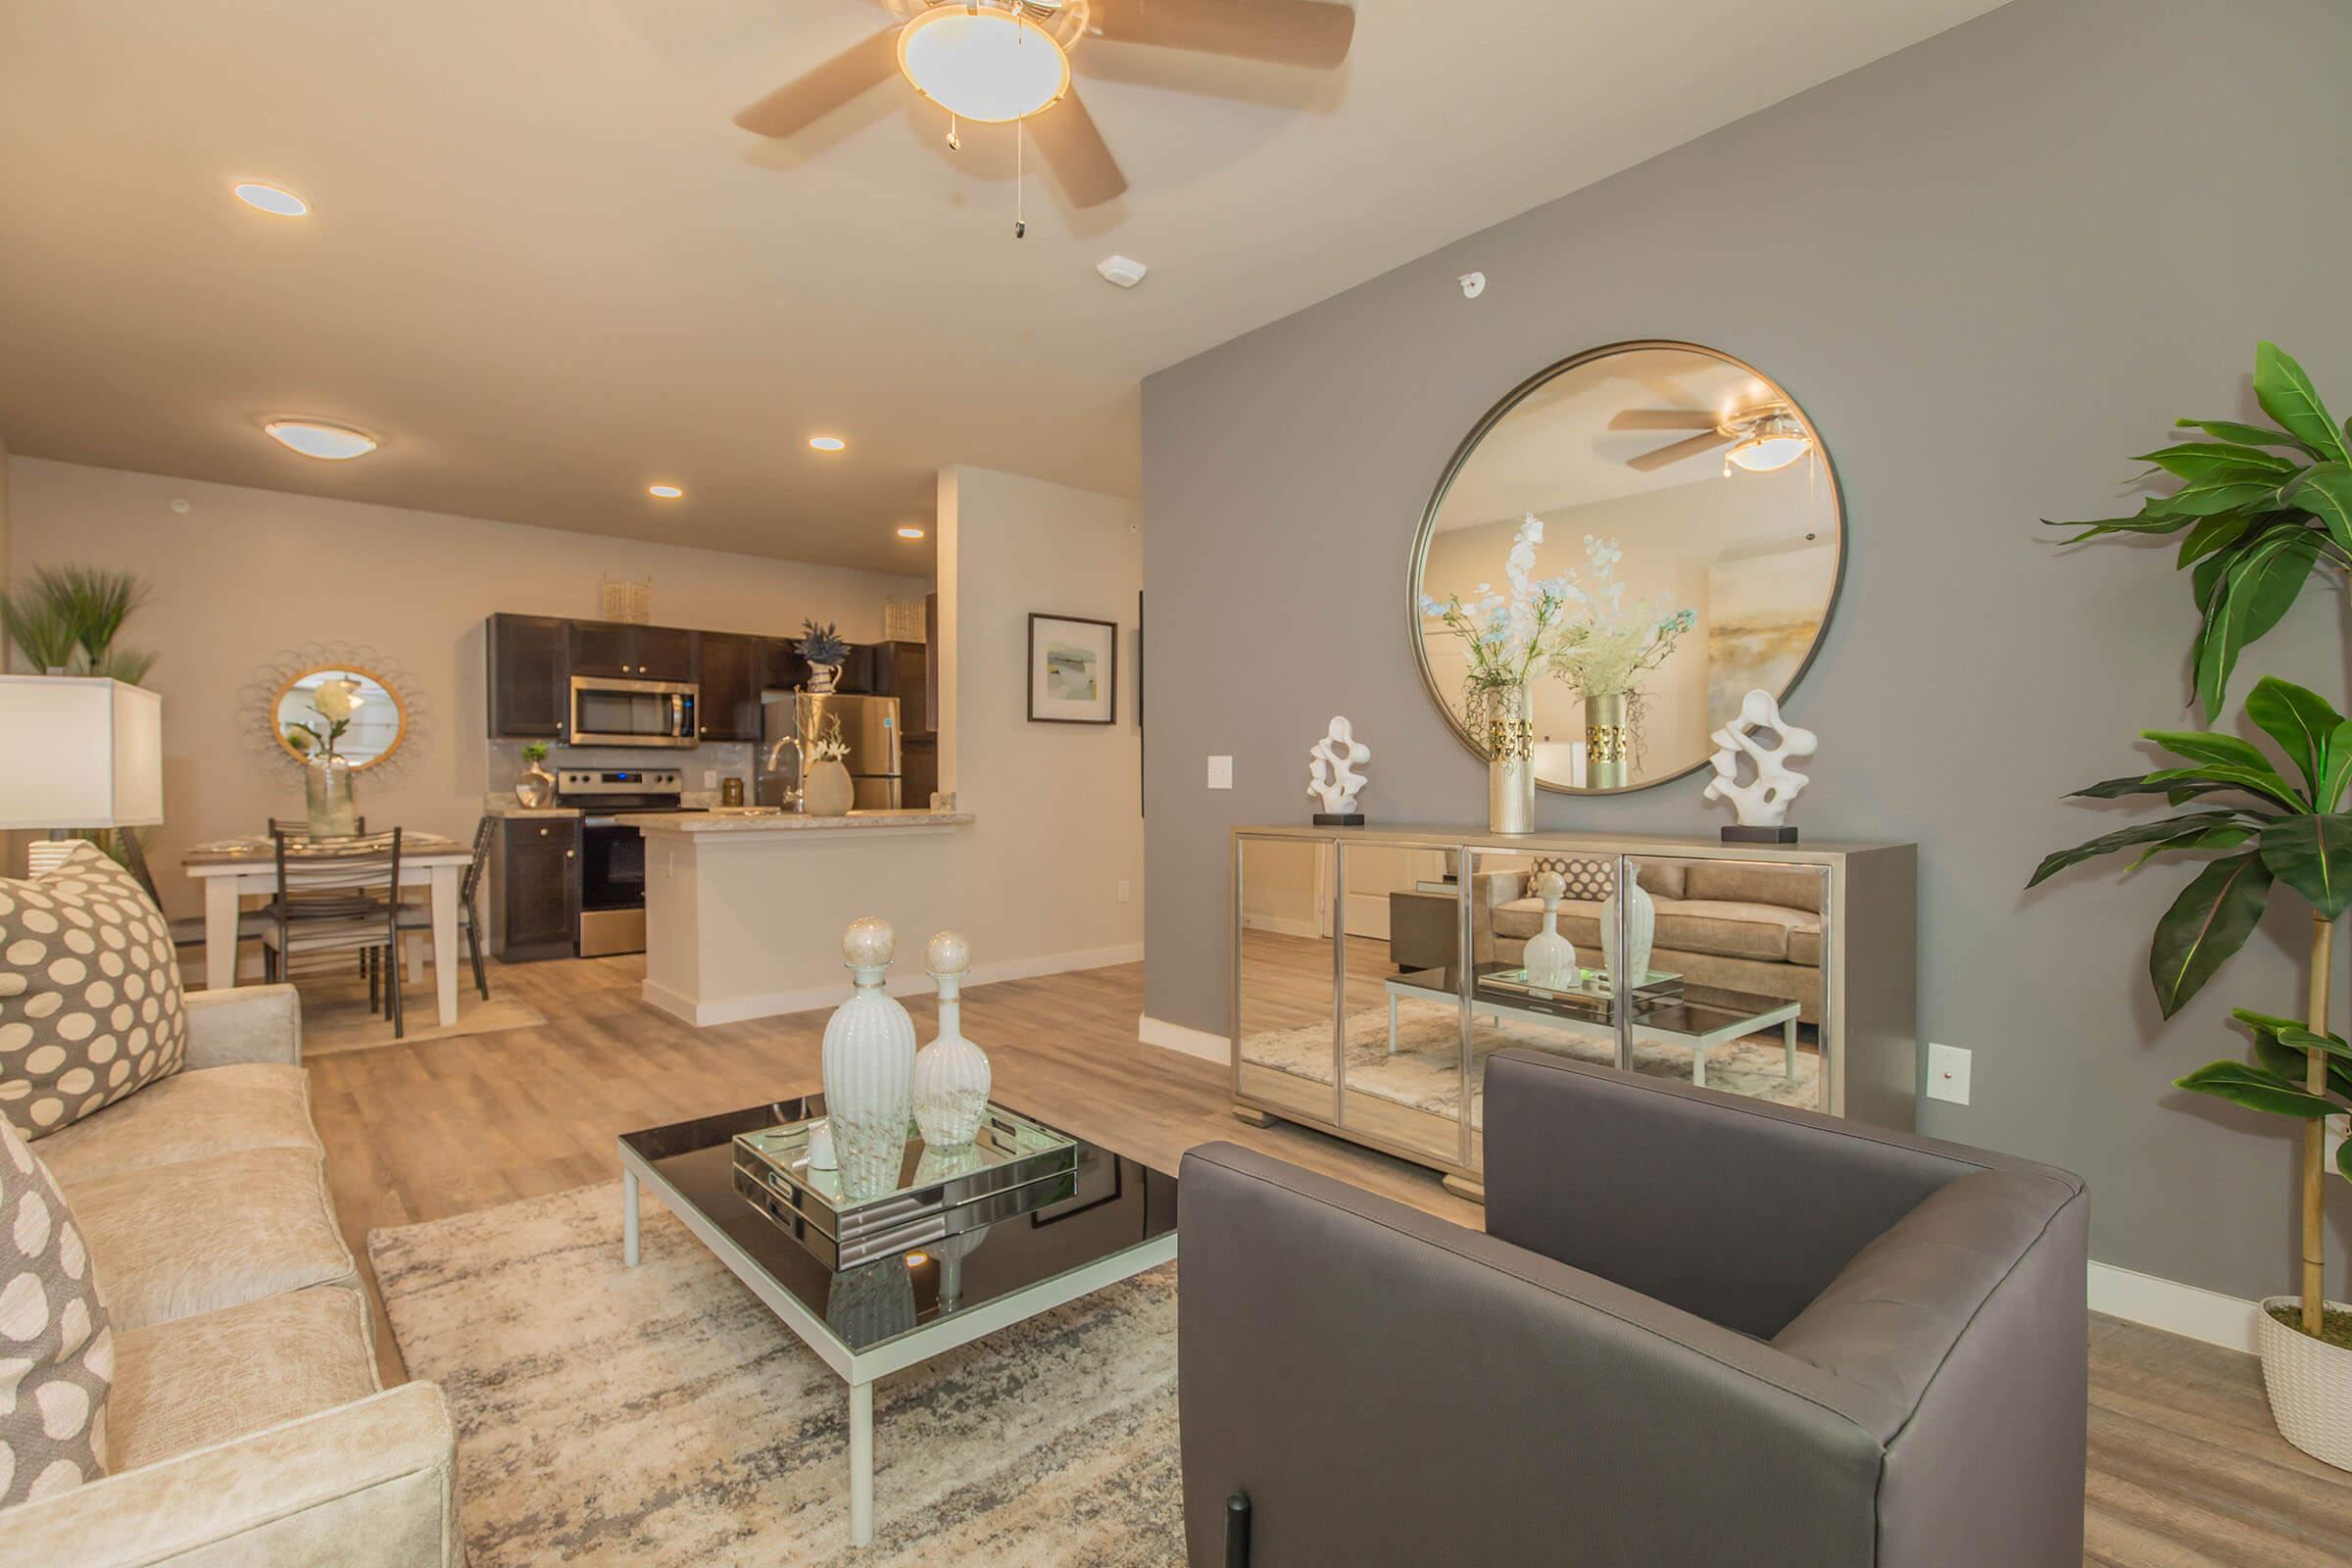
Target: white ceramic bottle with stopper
{"x":869,"y":1068}
{"x":1550,"y":957}
{"x":950,"y":1074}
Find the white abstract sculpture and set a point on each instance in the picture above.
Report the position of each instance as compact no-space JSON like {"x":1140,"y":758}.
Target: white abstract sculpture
{"x":1764,"y":801}
{"x":1333,"y":774}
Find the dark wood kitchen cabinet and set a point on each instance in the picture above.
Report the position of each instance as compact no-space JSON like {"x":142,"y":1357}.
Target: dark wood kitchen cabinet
{"x":535,"y":887}
{"x":733,"y":672}
{"x":528,"y":670}
{"x":632,"y":653}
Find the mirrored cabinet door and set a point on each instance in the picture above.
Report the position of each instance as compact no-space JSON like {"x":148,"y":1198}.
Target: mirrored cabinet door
{"x":1286,"y":970}
{"x":1738,"y":952}
{"x":1401,"y":1069}
{"x":1541,"y":978}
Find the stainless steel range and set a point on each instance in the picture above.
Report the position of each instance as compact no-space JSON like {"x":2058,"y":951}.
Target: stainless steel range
{"x":612,"y":856}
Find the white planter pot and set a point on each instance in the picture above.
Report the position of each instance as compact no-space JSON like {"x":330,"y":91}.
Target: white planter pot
{"x":829,"y":791}
{"x":2310,"y":1384}
{"x":869,"y":1069}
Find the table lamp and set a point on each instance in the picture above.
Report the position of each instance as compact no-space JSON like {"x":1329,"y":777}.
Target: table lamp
{"x":77,"y":751}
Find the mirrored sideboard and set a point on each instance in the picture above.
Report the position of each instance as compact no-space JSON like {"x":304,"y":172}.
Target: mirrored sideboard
{"x":1376,"y":971}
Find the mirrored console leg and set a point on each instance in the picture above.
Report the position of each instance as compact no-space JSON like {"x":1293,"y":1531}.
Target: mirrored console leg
{"x":861,"y":1464}
{"x":1464,"y":1187}
{"x":1253,"y":1116}
{"x":1698,"y":1065}
{"x":1788,"y":1038}
{"x":628,"y":1218}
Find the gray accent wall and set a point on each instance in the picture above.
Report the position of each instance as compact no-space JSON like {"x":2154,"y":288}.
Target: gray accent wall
{"x":1991,"y":266}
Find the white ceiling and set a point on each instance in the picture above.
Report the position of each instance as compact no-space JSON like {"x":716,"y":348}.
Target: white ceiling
{"x":544,"y":266}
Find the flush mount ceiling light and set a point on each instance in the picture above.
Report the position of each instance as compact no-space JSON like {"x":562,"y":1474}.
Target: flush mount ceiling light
{"x":664,"y":492}
{"x":313,"y":438}
{"x":911,"y":531}
{"x":980,"y":63}
{"x":1775,"y":442}
{"x":827,"y":443}
{"x":269,"y":199}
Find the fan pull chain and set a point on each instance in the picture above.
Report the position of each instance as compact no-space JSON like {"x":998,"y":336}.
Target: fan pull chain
{"x":955,"y":142}
{"x":1020,"y":143}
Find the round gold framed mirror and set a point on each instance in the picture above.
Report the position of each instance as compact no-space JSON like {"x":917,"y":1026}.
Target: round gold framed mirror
{"x":313,"y":702}
{"x":1651,"y":530}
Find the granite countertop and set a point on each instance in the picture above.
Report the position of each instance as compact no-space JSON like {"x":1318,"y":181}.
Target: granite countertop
{"x":767,"y":821}
{"x":511,"y":807}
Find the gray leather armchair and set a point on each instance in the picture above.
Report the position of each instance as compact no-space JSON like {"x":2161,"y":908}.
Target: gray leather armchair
{"x":1698,"y":1330}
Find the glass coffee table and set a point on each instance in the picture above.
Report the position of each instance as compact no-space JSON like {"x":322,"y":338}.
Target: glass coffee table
{"x":896,"y":1311}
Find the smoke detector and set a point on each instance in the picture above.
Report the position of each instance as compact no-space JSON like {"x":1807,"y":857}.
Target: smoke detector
{"x":1125,"y":271}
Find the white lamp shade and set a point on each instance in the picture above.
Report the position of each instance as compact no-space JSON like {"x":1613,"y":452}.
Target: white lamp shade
{"x":79,"y":752}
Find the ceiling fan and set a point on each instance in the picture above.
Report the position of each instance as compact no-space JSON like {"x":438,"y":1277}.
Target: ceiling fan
{"x":995,"y":60}
{"x":1764,"y":435}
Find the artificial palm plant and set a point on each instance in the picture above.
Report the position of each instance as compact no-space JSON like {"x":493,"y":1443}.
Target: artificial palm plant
{"x":2264,"y":510}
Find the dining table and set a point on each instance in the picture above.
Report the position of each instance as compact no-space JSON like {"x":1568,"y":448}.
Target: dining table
{"x":230,"y":869}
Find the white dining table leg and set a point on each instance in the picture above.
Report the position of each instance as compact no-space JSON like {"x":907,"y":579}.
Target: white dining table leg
{"x":445,"y":941}
{"x":221,"y":904}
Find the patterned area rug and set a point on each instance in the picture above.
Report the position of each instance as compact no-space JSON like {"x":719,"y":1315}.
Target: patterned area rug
{"x":1425,"y":1074}
{"x":661,"y":1415}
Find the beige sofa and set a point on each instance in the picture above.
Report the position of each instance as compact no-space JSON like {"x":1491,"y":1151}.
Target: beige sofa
{"x":1739,"y":926}
{"x":246,"y":1424}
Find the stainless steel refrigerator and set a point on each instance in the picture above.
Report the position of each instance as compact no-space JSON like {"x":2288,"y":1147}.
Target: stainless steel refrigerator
{"x":790,"y":722}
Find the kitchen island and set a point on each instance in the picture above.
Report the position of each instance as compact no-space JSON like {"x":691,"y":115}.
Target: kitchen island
{"x":744,"y":909}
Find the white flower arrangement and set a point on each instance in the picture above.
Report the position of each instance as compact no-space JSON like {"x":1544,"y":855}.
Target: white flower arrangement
{"x":829,"y":745}
{"x":334,"y":702}
{"x":1506,"y":636}
{"x":1608,"y":648}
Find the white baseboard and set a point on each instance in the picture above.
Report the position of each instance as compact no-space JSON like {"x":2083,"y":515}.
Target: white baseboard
{"x":1282,"y":926}
{"x":2189,"y":1310}
{"x":772,"y":1003}
{"x":1191,"y":1042}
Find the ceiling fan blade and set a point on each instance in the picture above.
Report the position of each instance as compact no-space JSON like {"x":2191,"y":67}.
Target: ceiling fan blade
{"x":1290,"y":32}
{"x":1067,"y":135}
{"x":1663,"y":420}
{"x":1651,"y":461}
{"x":809,"y":98}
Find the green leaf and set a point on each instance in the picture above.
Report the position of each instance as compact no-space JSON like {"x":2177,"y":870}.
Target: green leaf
{"x":2270,"y":1021}
{"x":2202,"y":459}
{"x":2204,"y":497}
{"x":2325,"y":491}
{"x":2301,"y":722}
{"x":2343,"y":1159}
{"x":2256,"y":592}
{"x":2289,"y":397}
{"x":2267,"y":783}
{"x":2124,"y":838}
{"x":2336,"y":768}
{"x":2217,"y":532}
{"x":2304,"y":1038}
{"x":2252,"y":436}
{"x":2203,"y":579}
{"x":2313,"y":855}
{"x":2208,"y":922}
{"x":2221,"y":836}
{"x":2255,"y":1089}
{"x":2223,"y":750}
{"x":2147,"y":520}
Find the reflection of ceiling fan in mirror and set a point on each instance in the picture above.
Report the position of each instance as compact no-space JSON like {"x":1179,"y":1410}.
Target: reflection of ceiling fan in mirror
{"x":1764,"y":436}
{"x":998,"y":60}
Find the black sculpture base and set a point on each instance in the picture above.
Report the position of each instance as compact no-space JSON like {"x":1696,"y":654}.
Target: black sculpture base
{"x":1339,"y":819}
{"x":1759,"y":835}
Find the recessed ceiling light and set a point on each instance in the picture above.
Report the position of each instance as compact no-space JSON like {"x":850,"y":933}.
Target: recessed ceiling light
{"x":668,"y":492}
{"x":911,"y":531}
{"x":312,"y":439}
{"x":827,"y":443}
{"x":269,"y":199}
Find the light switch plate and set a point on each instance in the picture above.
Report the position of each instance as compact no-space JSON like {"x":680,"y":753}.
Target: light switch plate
{"x":1220,"y":772}
{"x":709,"y":778}
{"x":1947,"y":1073}
{"x":1126,"y":890}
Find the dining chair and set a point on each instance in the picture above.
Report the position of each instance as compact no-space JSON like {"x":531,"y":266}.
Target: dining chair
{"x":188,"y":931}
{"x":417,"y":917}
{"x":332,"y":904}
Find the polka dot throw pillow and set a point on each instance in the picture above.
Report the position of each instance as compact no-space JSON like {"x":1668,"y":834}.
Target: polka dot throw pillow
{"x":89,"y":993}
{"x":56,"y":1351}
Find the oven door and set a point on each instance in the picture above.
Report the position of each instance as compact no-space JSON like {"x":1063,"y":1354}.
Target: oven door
{"x":611,"y":888}
{"x":632,"y":712}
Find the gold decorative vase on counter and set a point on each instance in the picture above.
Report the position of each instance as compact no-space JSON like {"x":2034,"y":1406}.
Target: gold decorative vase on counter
{"x":1509,"y":727}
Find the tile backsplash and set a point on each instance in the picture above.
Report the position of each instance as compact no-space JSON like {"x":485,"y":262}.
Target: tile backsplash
{"x":723,"y":759}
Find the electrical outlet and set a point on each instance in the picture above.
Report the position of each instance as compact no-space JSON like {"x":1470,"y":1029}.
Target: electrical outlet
{"x":709,"y":778}
{"x":1220,"y":772}
{"x":1126,"y":890}
{"x":1947,"y":1073}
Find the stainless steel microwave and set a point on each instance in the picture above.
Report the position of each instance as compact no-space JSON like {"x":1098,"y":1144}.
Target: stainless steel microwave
{"x":610,"y":711}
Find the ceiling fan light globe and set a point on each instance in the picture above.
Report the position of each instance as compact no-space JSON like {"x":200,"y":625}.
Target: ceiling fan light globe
{"x":1762,"y":454}
{"x":983,"y":64}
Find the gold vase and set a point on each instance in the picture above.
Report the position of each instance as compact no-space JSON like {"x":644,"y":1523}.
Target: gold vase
{"x":1508,"y":728}
{"x":1608,"y":741}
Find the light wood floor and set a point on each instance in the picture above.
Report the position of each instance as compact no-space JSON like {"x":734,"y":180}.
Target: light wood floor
{"x":2185,"y":1469}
